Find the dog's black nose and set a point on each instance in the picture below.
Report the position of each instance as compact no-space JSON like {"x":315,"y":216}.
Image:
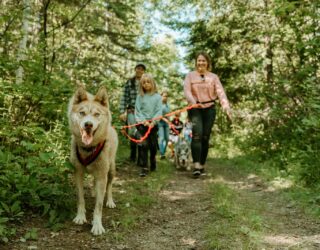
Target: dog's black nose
{"x":88,"y":125}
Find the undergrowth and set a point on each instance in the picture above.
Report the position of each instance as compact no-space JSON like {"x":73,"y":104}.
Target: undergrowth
{"x":34,"y":177}
{"x":228,"y":151}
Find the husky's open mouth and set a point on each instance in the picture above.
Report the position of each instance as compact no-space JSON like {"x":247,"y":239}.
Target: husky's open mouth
{"x":87,"y":136}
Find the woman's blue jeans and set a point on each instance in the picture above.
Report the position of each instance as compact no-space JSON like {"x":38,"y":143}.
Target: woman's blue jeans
{"x":202,"y":122}
{"x":163,"y":133}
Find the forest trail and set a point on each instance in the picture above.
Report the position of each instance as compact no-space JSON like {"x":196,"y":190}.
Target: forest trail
{"x":188,"y":215}
{"x":187,"y":207}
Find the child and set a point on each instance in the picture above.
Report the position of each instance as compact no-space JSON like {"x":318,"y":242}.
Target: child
{"x":163,"y":126}
{"x":148,"y":106}
{"x":176,"y":127}
{"x":187,"y":130}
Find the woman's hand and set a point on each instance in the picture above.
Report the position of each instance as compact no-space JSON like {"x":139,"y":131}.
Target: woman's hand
{"x":123,"y":117}
{"x":149,"y":124}
{"x":229,"y":116}
{"x":165,"y":120}
{"x":197,"y":105}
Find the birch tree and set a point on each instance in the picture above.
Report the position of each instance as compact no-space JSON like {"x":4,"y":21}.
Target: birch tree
{"x":23,"y":42}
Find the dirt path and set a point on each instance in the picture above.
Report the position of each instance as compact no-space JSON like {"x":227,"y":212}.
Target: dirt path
{"x":176,"y":223}
{"x":285,"y":224}
{"x":186,"y":207}
{"x":180,"y":218}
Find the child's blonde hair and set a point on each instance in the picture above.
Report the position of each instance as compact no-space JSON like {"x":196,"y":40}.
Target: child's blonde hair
{"x":149,"y":78}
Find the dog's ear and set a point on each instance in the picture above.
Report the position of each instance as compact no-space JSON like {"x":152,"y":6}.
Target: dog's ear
{"x":80,"y":96}
{"x":102,"y":97}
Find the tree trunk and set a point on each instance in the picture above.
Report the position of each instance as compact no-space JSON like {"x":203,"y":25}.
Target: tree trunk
{"x":269,"y":53}
{"x":23,"y":43}
{"x":46,"y":4}
{"x":269,"y":57}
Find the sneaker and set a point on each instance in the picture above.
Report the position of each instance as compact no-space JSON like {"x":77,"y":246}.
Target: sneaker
{"x":202,"y":171}
{"x":196,"y":173}
{"x":143,"y":172}
{"x":162,"y":157}
{"x":153,"y":167}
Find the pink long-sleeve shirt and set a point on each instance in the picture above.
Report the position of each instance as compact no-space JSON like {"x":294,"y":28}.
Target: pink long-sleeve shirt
{"x":204,"y":89}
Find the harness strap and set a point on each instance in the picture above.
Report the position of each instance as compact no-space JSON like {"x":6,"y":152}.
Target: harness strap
{"x":91,"y":158}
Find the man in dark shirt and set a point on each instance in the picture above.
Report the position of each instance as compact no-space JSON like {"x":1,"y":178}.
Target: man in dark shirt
{"x":127,"y":104}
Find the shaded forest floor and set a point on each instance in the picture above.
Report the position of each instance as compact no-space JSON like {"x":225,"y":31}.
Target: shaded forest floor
{"x":226,"y":209}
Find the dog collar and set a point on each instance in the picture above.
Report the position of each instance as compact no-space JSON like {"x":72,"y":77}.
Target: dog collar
{"x":91,"y":158}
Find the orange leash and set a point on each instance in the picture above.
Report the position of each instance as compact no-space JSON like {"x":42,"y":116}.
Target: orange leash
{"x":141,"y":139}
{"x":154,"y":119}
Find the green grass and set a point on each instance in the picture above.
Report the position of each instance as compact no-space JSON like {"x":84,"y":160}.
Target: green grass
{"x":140,"y":193}
{"x":227,"y":152}
{"x":307,"y":198}
{"x":234,"y":223}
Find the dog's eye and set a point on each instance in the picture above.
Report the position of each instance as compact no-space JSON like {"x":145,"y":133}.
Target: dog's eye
{"x":82,"y":113}
{"x":97,"y":114}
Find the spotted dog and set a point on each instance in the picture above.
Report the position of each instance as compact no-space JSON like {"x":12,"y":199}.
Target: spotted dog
{"x":182,"y":157}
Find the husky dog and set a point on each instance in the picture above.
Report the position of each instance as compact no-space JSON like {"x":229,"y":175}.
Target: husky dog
{"x":93,"y":149}
{"x":182,"y":157}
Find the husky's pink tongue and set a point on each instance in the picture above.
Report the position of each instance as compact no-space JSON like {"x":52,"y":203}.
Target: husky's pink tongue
{"x":86,"y":138}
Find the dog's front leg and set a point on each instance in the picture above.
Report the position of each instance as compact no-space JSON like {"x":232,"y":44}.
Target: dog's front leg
{"x":176,"y":160}
{"x":81,"y":213}
{"x":100,"y":187}
{"x":110,"y":203}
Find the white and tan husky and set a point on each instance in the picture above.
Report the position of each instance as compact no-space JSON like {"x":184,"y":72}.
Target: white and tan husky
{"x":93,"y":150}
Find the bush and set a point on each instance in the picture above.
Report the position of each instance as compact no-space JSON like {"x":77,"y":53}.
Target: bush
{"x":34,"y":168}
{"x":35,"y":176}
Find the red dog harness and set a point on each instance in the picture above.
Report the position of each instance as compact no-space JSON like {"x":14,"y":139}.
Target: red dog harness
{"x":95,"y":153}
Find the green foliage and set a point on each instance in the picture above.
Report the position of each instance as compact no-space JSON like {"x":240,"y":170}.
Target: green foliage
{"x":266,"y":54}
{"x":35,"y":176}
{"x":32,"y":234}
{"x":69,"y":43}
{"x":34,"y":168}
{"x":307,"y":198}
{"x":5,"y":231}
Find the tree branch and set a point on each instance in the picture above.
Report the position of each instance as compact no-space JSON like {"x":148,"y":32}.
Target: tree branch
{"x":64,"y":24}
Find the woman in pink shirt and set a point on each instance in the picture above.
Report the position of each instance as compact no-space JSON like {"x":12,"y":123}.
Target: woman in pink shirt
{"x":203,"y":88}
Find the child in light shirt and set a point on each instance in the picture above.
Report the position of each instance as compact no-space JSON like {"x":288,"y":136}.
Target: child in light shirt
{"x":148,"y":106}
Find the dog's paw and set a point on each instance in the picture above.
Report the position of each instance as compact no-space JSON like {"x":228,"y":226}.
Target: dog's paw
{"x":97,"y":228}
{"x":110,"y":204}
{"x":80,"y":219}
